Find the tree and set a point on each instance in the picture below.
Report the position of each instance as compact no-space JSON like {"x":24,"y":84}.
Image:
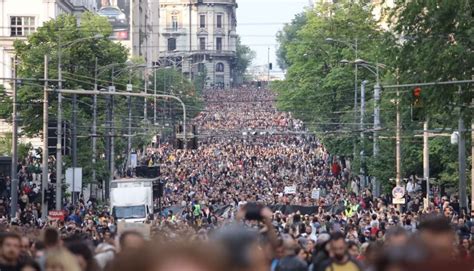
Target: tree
{"x":6,"y":147}
{"x":287,"y":35}
{"x":436,"y":45}
{"x":317,"y":88}
{"x":244,"y":57}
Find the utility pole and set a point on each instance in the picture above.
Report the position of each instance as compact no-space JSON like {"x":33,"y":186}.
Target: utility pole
{"x":112,"y":139}
{"x":59,"y":157}
{"x":94,"y":132}
{"x":154,"y":99}
{"x":376,"y":114}
{"x":472,"y":161}
{"x":129,"y":138}
{"x":14,"y":171}
{"x":74,"y":146}
{"x":144,"y":100}
{"x":462,"y":155}
{"x":268,"y":67}
{"x":398,"y":159}
{"x":426,"y":158}
{"x":44,"y":175}
{"x":356,"y":68}
{"x":362,"y":134}
{"x":376,"y":125}
{"x":462,"y":163}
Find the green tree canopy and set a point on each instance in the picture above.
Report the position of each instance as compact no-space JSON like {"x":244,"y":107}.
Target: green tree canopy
{"x":244,"y":57}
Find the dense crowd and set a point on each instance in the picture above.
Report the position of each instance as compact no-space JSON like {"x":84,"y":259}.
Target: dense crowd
{"x":259,"y":193}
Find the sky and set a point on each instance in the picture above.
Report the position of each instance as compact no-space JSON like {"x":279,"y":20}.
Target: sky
{"x":258,"y":21}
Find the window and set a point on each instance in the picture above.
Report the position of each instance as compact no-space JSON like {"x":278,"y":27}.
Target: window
{"x":219,"y":44}
{"x":202,"y":44}
{"x":171,"y":44}
{"x":202,"y":21}
{"x":21,"y":26}
{"x":219,"y":21}
{"x":220,"y":67}
{"x":201,"y":67}
{"x":174,"y":22}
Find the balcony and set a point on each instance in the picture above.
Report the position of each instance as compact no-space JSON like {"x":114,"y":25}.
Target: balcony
{"x":174,"y":31}
{"x":225,"y":2}
{"x":222,"y":53}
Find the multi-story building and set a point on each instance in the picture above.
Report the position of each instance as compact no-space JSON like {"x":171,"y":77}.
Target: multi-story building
{"x":199,"y":36}
{"x":19,"y":18}
{"x":132,"y":24}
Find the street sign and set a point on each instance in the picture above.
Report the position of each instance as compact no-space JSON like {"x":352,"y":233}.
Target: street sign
{"x":398,"y":192}
{"x":398,"y":201}
{"x":129,"y":87}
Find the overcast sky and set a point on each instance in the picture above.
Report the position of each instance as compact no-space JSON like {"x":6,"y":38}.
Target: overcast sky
{"x":258,"y":21}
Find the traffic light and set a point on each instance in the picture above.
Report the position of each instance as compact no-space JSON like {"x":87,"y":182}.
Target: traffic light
{"x":270,"y":66}
{"x":417,"y":108}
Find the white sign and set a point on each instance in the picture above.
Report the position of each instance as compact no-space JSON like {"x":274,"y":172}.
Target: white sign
{"x":74,"y":184}
{"x":315,"y":193}
{"x":398,"y":201}
{"x":133,"y":160}
{"x":129,"y":87}
{"x":290,"y":189}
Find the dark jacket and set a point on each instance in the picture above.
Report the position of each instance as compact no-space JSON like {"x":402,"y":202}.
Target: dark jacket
{"x":291,"y":263}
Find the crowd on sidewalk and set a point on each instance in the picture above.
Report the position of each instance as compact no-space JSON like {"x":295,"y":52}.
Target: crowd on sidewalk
{"x":249,"y":156}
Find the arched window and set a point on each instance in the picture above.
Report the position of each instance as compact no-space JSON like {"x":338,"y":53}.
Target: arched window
{"x":220,"y":67}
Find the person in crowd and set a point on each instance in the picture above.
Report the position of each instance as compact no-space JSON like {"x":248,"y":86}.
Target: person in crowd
{"x":61,"y":260}
{"x":85,"y":257}
{"x":30,"y":265}
{"x":105,"y":251}
{"x":51,"y":242}
{"x":340,"y":257}
{"x":396,"y":236}
{"x":437,"y":236}
{"x":291,"y":260}
{"x":10,"y":251}
{"x":130,"y":240}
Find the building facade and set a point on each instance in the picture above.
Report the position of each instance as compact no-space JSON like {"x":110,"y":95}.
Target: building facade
{"x":20,"y":18}
{"x":199,"y":37}
{"x":132,"y":24}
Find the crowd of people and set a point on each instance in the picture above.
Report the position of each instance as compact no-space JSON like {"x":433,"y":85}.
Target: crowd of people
{"x":259,"y":193}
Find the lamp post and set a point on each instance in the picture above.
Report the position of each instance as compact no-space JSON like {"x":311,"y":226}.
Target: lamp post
{"x":374,"y":69}
{"x":362,"y":133}
{"x":353,"y":46}
{"x":59,"y":158}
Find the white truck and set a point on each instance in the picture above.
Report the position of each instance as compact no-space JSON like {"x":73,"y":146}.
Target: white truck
{"x":131,"y":199}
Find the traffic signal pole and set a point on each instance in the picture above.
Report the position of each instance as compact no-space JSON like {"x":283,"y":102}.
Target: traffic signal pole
{"x":426,"y":158}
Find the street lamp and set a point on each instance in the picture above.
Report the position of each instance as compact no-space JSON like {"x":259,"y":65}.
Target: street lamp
{"x":59,"y":119}
{"x":353,"y":46}
{"x":374,"y":69}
